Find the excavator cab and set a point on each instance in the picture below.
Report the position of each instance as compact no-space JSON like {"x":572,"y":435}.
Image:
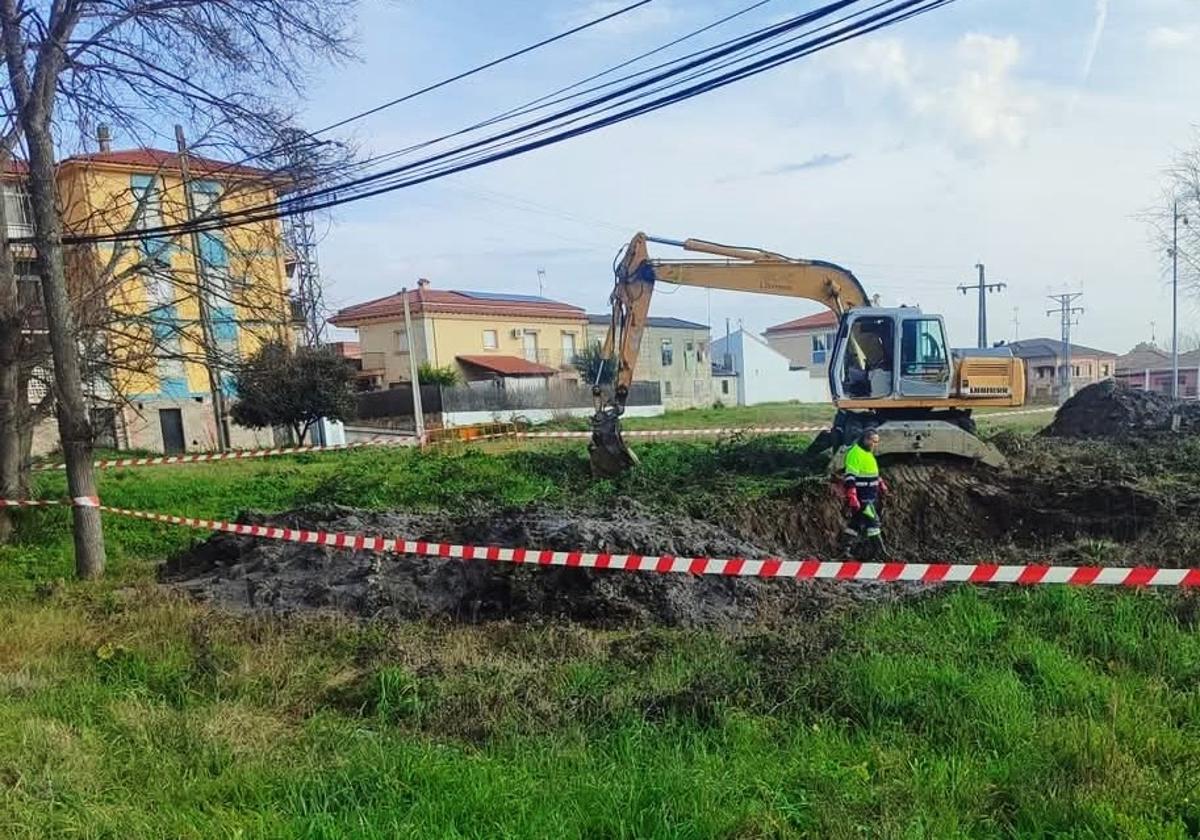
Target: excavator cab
{"x":890,"y":354}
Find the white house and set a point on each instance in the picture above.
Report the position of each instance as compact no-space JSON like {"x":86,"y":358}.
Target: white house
{"x":763,"y":374}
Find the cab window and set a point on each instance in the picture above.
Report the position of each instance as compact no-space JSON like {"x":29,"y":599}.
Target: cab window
{"x":923,"y":352}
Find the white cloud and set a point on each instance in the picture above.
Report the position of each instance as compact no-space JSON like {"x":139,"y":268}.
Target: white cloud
{"x":644,"y":19}
{"x":1168,"y":37}
{"x":971,"y":96}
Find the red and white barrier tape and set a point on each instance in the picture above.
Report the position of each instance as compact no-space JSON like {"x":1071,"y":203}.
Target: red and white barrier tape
{"x":236,"y":455}
{"x":771,"y":567}
{"x":78,"y":501}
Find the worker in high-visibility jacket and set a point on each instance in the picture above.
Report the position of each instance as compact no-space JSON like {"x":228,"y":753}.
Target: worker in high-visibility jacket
{"x":863,"y":488}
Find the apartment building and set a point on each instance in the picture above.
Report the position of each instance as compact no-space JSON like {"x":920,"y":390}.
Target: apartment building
{"x":153,"y":344}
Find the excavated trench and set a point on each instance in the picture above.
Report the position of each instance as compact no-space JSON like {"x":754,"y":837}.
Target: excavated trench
{"x":1056,"y":503}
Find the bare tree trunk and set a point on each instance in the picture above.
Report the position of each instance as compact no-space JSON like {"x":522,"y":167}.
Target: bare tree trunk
{"x":10,"y":378}
{"x":74,"y":427}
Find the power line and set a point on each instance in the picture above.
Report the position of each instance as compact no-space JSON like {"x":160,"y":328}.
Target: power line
{"x":511,"y":143}
{"x":305,"y":140}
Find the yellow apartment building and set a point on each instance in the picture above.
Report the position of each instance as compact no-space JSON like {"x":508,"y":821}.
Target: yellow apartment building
{"x":145,"y":293}
{"x":517,"y":341}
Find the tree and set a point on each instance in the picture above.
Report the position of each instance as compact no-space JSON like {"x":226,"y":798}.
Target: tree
{"x":590,"y":361}
{"x":279,"y":386}
{"x":1180,"y":197}
{"x":446,"y":376}
{"x":221,"y":63}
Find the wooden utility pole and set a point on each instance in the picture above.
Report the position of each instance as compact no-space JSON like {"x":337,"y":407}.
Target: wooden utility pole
{"x":418,"y":408}
{"x":203,"y":294}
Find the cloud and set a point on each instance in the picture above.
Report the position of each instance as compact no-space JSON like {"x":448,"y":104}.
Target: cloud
{"x":644,"y":19}
{"x":1167,"y":37}
{"x":971,"y":96}
{"x":820,"y":161}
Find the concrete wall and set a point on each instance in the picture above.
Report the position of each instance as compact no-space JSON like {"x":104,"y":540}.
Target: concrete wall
{"x":765,"y":375}
{"x":138,"y":427}
{"x":687,"y":381}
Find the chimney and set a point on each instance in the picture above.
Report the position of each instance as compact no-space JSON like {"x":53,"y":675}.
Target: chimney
{"x":423,"y":283}
{"x":104,"y":135}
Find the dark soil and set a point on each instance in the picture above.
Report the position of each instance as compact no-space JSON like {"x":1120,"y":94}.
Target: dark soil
{"x":1109,"y":409}
{"x":249,"y":573}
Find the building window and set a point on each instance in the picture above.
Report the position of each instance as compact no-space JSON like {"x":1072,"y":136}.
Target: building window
{"x":687,"y":355}
{"x":17,"y":210}
{"x":725,"y":386}
{"x":820,"y":348}
{"x":667,"y":389}
{"x":490,"y":340}
{"x":568,"y":348}
{"x":400,"y":341}
{"x":667,"y":353}
{"x":1075,"y":370}
{"x":700,"y":353}
{"x":1045,"y":372}
{"x":148,"y":195}
{"x":1104,"y":370}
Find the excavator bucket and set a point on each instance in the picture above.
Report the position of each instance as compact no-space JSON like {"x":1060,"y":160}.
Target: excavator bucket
{"x":930,"y":437}
{"x":607,"y":450}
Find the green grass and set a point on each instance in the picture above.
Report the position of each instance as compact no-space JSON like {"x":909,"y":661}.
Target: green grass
{"x":127,"y":712}
{"x":774,"y":414}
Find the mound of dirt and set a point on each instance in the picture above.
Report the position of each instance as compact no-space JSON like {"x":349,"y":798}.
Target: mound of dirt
{"x":1110,"y":409}
{"x":249,"y":573}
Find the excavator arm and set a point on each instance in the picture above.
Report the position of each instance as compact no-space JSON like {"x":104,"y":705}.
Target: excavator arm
{"x":736,"y":269}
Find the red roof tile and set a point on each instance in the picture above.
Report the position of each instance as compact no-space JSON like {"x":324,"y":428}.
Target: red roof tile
{"x":160,"y":159}
{"x":425,"y":299}
{"x":808,"y":322}
{"x":508,"y":365}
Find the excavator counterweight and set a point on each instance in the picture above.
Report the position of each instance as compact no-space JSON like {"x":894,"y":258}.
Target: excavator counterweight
{"x":891,"y":369}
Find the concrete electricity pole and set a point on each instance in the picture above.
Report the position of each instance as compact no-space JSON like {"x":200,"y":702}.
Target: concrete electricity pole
{"x":983,"y":288}
{"x":1068,"y":312}
{"x":1176,"y":218}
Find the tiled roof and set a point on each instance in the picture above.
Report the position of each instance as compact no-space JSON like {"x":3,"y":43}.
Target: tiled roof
{"x":662,"y":323}
{"x":425,"y":299}
{"x":508,"y":365}
{"x":808,"y":322}
{"x":160,"y":159}
{"x":1039,"y":348}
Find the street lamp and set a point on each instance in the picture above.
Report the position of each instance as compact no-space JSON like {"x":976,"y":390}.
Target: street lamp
{"x":1176,"y":218}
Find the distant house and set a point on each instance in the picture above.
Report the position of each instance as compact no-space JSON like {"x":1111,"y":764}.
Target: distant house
{"x":765,"y":375}
{"x":1044,"y":365}
{"x":1148,"y":368}
{"x":506,"y":339}
{"x":674,"y":353}
{"x":806,"y":342}
{"x":724,"y":382}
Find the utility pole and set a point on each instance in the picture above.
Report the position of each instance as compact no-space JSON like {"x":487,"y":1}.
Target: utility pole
{"x":1016,"y":322}
{"x":418,"y":409}
{"x":203,"y":297}
{"x":1067,"y":313}
{"x":983,"y":287}
{"x":541,"y":282}
{"x":1175,"y":220}
{"x":1153,"y":342}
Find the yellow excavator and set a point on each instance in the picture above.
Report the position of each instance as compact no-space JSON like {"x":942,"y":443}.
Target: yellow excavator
{"x":890,"y":369}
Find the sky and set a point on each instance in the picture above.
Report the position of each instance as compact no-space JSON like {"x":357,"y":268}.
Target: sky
{"x":1027,"y":135}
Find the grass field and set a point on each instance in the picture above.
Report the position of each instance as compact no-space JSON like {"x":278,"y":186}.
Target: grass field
{"x":128,"y":712}
{"x":770,"y":414}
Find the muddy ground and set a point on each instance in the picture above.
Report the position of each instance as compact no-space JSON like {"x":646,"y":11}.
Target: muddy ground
{"x":1132,"y":502}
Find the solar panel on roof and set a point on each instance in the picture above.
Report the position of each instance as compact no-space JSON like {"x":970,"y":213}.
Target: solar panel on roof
{"x":505,"y":296}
